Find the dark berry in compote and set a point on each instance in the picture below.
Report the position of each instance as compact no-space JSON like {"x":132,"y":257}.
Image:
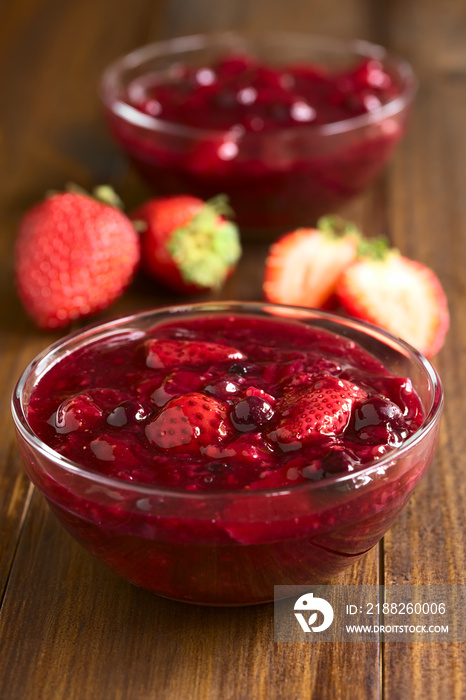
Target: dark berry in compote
{"x":251,"y":413}
{"x":379,"y":420}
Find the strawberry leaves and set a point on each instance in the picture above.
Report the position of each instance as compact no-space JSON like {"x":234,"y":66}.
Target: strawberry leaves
{"x":187,"y":244}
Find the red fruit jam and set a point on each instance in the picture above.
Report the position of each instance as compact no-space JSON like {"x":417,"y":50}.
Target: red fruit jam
{"x":276,"y":139}
{"x":215,"y":411}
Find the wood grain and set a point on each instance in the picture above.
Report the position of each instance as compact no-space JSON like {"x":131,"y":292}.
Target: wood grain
{"x":426,"y":205}
{"x":77,"y":631}
{"x":69,"y":628}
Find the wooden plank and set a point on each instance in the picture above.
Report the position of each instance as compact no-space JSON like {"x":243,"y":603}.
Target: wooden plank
{"x":32,"y":72}
{"x":351,"y":19}
{"x":76,"y":630}
{"x":427,"y":219}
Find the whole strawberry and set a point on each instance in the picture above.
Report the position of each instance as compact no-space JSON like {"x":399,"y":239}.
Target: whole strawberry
{"x":187,"y":244}
{"x":74,"y":256}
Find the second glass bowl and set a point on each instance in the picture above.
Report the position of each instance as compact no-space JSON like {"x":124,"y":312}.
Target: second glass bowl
{"x":276,"y":179}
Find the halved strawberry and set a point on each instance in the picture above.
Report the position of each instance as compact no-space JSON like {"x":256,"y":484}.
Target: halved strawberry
{"x":76,"y":413}
{"x":400,"y":295}
{"x":303,"y":267}
{"x":190,"y":422}
{"x":325,"y":408}
{"x":162,"y":354}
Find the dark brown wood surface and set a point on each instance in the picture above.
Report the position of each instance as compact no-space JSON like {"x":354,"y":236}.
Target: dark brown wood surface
{"x":68,"y":627}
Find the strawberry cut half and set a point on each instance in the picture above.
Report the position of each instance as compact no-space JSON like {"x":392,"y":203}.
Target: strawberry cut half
{"x":303,"y":267}
{"x":190,"y":422}
{"x":402,"y":296}
{"x":164,"y":354}
{"x":323,"y":409}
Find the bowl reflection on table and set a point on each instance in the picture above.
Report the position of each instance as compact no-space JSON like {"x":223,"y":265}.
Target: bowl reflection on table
{"x":232,"y":547}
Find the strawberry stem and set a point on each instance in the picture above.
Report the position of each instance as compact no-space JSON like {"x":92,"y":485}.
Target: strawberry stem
{"x":221,"y":206}
{"x":335,"y":226}
{"x":205,"y":249}
{"x":73,"y":188}
{"x":374,"y":248}
{"x":107,"y":195}
{"x":102,"y":193}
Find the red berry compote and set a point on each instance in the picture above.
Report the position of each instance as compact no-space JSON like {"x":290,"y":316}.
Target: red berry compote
{"x":227,"y":450}
{"x":286,"y":142}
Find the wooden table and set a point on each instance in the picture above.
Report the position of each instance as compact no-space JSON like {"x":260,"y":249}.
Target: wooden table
{"x":68,"y":627}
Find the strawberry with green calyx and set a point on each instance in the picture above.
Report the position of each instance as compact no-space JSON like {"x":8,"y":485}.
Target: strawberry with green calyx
{"x":303,"y":267}
{"x":187,"y":244}
{"x":400,"y":295}
{"x":74,"y":256}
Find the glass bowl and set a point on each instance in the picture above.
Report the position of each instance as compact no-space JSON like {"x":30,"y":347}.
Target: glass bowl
{"x":232,"y":547}
{"x":275,"y":179}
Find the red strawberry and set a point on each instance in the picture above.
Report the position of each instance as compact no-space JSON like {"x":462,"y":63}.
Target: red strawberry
{"x":403,"y":296}
{"x":321,"y":409}
{"x":161,"y":354}
{"x":189,"y":423}
{"x":77,"y":413}
{"x":186,"y":243}
{"x":303,"y":267}
{"x":74,"y":256}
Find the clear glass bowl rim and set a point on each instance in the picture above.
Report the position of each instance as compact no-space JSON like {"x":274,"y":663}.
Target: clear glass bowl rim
{"x":358,"y":47}
{"x":98,"y":330}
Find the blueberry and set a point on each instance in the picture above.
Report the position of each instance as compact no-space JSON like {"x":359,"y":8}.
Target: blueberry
{"x":278,"y":112}
{"x":225,"y":99}
{"x":339,"y":461}
{"x":117,"y":417}
{"x":217,"y":467}
{"x":379,"y":421}
{"x":244,"y":369}
{"x":251,"y":413}
{"x":378,"y":411}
